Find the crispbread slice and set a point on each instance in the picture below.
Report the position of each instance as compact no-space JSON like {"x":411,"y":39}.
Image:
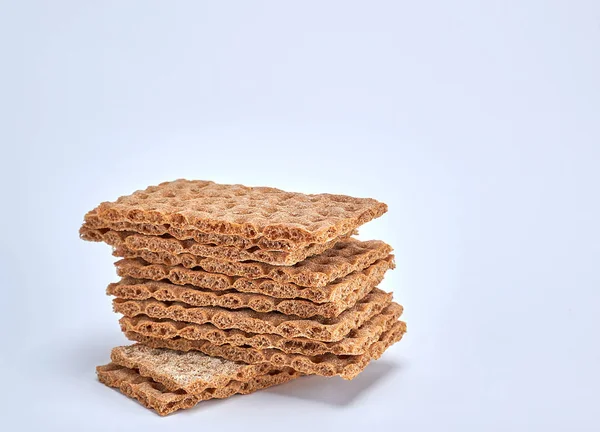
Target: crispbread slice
{"x":174,"y":246}
{"x":191,"y":371}
{"x":156,"y":396}
{"x":140,"y":289}
{"x":355,"y":343}
{"x":92,"y":222}
{"x":345,"y":257}
{"x":323,"y":329}
{"x":347,"y":289}
{"x":249,"y":212}
{"x":326,"y":365}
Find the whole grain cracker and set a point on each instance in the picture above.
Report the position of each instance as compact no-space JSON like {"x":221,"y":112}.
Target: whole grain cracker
{"x":191,"y":371}
{"x":355,"y":343}
{"x":92,"y":222}
{"x":347,"y":367}
{"x":345,"y":257}
{"x":262,"y":293}
{"x":249,"y":212}
{"x":176,"y":247}
{"x":323,"y":329}
{"x":155,"y":396}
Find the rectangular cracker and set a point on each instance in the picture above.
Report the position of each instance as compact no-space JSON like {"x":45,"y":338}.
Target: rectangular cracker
{"x":155,"y":396}
{"x":355,"y":343}
{"x":323,"y":329}
{"x":347,"y":367}
{"x":238,"y":293}
{"x":140,"y":289}
{"x":192,"y":371}
{"x":345,"y":257}
{"x":172,"y":246}
{"x":249,"y":212}
{"x":92,"y":222}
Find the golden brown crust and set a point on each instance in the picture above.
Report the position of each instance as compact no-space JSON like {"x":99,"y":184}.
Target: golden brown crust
{"x":355,"y":343}
{"x":155,"y":396}
{"x":249,"y":212}
{"x":323,"y":329}
{"x":326,"y":365}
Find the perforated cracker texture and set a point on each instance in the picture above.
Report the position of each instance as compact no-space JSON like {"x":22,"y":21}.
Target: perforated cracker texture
{"x":245,"y":211}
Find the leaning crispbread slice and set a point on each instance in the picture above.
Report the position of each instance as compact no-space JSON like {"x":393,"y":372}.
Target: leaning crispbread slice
{"x":156,"y":396}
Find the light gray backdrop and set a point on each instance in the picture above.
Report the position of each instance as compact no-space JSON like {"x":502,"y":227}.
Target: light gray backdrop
{"x":477,"y":122}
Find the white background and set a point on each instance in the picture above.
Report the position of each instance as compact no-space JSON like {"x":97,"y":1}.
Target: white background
{"x":477,"y":122}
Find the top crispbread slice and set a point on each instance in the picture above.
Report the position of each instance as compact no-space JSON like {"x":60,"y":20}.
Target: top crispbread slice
{"x":175,"y":247}
{"x":249,"y":212}
{"x":92,"y":223}
{"x":191,"y":372}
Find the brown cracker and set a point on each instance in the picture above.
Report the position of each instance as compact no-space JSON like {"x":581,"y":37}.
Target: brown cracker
{"x":249,"y":212}
{"x":323,"y":329}
{"x":155,"y":396}
{"x":134,"y":241}
{"x":139,"y":289}
{"x":236,"y":293}
{"x":189,"y":371}
{"x":355,"y":343}
{"x":92,"y":222}
{"x":326,"y":365}
{"x":345,"y":257}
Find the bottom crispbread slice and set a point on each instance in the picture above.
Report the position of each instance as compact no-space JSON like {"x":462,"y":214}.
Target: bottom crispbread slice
{"x":346,"y":366}
{"x":190,"y":371}
{"x":157,"y":397}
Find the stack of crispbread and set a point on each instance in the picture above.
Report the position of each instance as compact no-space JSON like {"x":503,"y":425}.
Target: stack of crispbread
{"x":229,"y":289}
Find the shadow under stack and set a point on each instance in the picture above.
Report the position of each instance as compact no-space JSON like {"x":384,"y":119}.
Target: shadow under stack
{"x":230,"y":289}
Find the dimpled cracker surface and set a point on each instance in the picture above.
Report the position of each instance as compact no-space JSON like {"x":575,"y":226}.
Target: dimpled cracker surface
{"x":326,"y":365}
{"x":323,"y":329}
{"x":345,"y":257}
{"x":335,"y":292}
{"x":155,"y":396}
{"x":92,"y":222}
{"x":190,"y":371}
{"x":140,"y":289}
{"x":355,"y":343}
{"x":176,"y":247}
{"x":249,"y":212}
